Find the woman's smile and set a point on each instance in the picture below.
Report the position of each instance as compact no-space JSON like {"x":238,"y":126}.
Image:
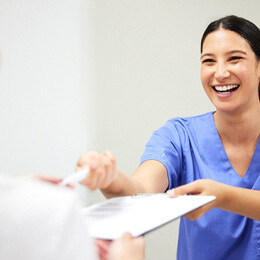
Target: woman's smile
{"x":226,"y":88}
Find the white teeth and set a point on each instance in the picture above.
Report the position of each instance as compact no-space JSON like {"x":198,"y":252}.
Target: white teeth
{"x":225,"y":88}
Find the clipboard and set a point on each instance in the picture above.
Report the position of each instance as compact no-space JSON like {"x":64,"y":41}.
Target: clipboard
{"x":138,"y":214}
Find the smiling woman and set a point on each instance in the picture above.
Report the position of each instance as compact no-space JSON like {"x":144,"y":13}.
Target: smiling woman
{"x":230,"y":69}
{"x":221,"y":146}
{"x":230,"y":74}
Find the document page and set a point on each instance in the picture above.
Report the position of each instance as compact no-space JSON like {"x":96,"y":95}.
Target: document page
{"x":138,"y":214}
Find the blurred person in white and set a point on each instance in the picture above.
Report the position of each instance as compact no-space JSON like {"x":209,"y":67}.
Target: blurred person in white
{"x":39,"y":220}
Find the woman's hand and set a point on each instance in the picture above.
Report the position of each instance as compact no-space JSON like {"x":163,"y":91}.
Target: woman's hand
{"x":202,"y":187}
{"x":102,"y":169}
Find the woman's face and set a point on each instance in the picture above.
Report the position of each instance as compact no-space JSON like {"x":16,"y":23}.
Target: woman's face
{"x":230,"y":71}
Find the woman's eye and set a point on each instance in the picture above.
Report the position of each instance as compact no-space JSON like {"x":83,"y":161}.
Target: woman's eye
{"x":235,"y":58}
{"x":207,"y":61}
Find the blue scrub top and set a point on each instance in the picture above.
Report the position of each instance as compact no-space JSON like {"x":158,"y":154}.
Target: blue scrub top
{"x":190,"y":148}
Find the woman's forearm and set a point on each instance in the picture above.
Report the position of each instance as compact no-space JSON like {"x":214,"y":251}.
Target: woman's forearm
{"x":242,"y":201}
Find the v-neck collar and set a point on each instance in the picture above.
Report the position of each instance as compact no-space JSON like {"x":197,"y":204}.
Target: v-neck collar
{"x":224,"y":158}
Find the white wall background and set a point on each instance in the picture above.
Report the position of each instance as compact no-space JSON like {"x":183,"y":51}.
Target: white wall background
{"x":100,"y":74}
{"x":43,"y":111}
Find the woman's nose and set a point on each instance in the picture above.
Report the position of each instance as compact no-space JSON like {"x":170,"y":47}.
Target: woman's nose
{"x":221,"y":72}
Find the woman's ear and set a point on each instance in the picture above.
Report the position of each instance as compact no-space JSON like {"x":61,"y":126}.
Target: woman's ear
{"x":258,"y":70}
{"x":258,"y":76}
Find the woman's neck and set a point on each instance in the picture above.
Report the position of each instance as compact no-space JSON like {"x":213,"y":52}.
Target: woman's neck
{"x":240,"y":128}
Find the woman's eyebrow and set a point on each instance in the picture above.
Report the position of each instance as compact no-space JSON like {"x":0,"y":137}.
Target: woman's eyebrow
{"x":206,"y":54}
{"x":237,"y":51}
{"x":229,"y":52}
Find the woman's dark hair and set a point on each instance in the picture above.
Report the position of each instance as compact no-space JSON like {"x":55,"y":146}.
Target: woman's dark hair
{"x":246,"y":29}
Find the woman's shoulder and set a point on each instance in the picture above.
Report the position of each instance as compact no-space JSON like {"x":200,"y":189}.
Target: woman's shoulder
{"x":183,"y":127}
{"x":194,"y":121}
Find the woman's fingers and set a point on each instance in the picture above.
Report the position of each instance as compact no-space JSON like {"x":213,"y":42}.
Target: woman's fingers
{"x":199,"y":187}
{"x":102,"y":169}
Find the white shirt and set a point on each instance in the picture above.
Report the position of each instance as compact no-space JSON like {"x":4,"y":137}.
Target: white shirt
{"x":41,"y":221}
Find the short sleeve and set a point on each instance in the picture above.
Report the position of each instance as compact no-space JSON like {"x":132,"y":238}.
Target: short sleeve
{"x":164,"y":146}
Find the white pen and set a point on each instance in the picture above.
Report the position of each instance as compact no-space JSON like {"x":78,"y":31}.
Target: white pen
{"x":76,"y":177}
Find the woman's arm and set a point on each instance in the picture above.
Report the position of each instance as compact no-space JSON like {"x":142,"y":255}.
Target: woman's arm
{"x":150,"y":176}
{"x":237,"y":200}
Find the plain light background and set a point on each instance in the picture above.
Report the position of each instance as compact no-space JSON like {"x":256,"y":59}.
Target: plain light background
{"x":102,"y":75}
{"x":43,"y":98}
